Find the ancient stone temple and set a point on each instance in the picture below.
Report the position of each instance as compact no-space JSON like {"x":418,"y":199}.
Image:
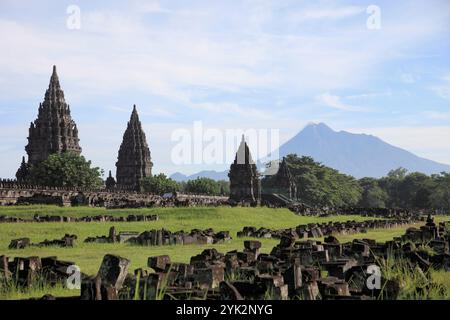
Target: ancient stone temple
{"x":134,"y":161}
{"x":281,"y":183}
{"x":23,"y":172}
{"x":53,"y":131}
{"x":245,"y":186}
{"x":110,"y":182}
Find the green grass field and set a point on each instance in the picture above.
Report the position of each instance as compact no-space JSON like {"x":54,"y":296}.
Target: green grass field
{"x":88,"y":256}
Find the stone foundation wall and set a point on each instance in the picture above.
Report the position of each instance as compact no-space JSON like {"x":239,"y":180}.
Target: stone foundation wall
{"x":13,"y":193}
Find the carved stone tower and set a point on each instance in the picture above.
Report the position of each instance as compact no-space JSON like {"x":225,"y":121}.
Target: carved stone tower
{"x":245,"y":185}
{"x":53,"y":131}
{"x":134,"y":160}
{"x":23,"y":172}
{"x":282,"y":182}
{"x":110,"y":182}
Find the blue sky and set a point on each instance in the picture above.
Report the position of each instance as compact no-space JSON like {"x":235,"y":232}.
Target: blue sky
{"x":230,"y":64}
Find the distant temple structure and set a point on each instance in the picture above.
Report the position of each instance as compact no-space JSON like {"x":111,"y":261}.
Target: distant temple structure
{"x":134,"y":160}
{"x":282,"y":182}
{"x":245,"y":186}
{"x":110,"y":182}
{"x":53,"y":131}
{"x":23,"y":171}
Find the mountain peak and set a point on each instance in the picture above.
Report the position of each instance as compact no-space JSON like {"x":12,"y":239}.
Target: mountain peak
{"x":318,"y":126}
{"x":356,"y":154}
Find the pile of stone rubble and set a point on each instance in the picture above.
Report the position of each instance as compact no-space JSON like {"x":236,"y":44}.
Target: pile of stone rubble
{"x":22,"y":243}
{"x":318,"y":230}
{"x":388,"y":213}
{"x":27,"y":272}
{"x":293,"y":270}
{"x":163,"y":237}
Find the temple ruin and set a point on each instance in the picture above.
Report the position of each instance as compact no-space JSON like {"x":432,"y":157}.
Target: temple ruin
{"x":245,"y":186}
{"x":54,"y":130}
{"x":282,"y":182}
{"x":134,"y":160}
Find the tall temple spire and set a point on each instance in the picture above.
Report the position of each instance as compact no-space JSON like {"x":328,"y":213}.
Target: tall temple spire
{"x":134,"y":159}
{"x":53,"y":131}
{"x":245,"y":185}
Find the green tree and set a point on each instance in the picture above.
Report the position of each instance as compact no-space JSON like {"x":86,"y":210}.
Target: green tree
{"x":224,"y":187}
{"x":205,"y":186}
{"x":66,"y":170}
{"x":392,"y":186}
{"x":373,"y":196}
{"x":159,"y":184}
{"x":415,"y":190}
{"x":319,"y":185}
{"x":440,"y":197}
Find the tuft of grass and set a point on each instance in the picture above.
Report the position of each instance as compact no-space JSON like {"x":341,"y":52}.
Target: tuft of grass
{"x":415,"y":283}
{"x":11,"y":290}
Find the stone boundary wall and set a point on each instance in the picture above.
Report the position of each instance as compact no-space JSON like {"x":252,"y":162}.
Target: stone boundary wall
{"x":99,"y":218}
{"x":13,"y":193}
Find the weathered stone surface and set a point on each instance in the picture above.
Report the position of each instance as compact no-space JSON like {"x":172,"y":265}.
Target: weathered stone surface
{"x":53,"y":131}
{"x":166,"y":237}
{"x":134,"y":160}
{"x":112,"y":274}
{"x":329,"y":229}
{"x":21,"y":243}
{"x":293,"y":277}
{"x":245,"y":186}
{"x":159,"y":263}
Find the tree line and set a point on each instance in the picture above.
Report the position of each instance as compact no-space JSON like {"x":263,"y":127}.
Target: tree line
{"x":321,"y":185}
{"x":317,"y":184}
{"x":161,"y":184}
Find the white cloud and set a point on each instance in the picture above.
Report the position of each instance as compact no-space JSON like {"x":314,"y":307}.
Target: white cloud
{"x":122,"y":49}
{"x":335,"y":102}
{"x":370,"y":95}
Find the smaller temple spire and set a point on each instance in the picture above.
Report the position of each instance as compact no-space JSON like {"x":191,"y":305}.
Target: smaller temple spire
{"x":110,"y":182}
{"x":245,"y":185}
{"x":23,"y":173}
{"x":134,"y":159}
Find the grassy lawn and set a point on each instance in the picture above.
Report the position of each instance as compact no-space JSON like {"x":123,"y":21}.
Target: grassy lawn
{"x":88,"y":256}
